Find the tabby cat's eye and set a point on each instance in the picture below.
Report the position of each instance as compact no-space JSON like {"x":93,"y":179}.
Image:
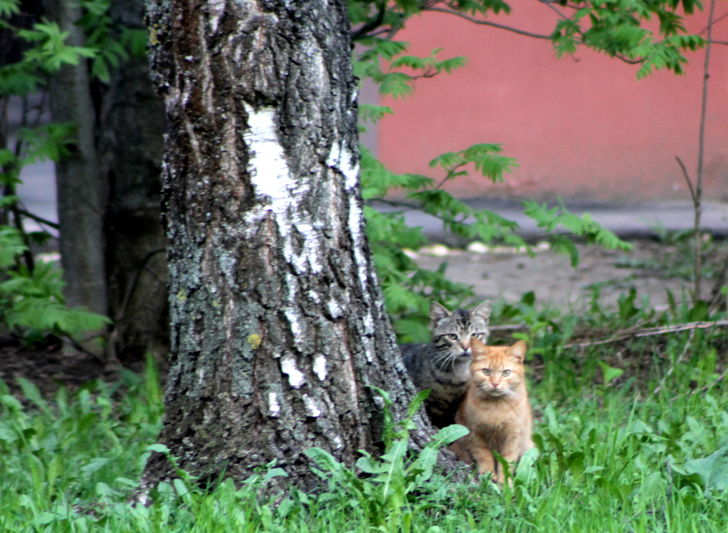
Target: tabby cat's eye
{"x":452,"y":336}
{"x":479,"y":335}
{"x":506,"y":373}
{"x":486,"y":371}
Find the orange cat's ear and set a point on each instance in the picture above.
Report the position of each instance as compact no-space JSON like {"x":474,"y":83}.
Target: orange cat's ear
{"x":478,"y":348}
{"x":518,"y":351}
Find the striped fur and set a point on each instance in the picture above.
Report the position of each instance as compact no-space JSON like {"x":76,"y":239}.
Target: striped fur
{"x":443,"y":365}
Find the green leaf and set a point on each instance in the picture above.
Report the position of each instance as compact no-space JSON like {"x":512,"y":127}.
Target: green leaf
{"x":373,"y":113}
{"x":11,"y":246}
{"x":32,"y":393}
{"x":526,"y":470}
{"x":417,"y":402}
{"x":94,"y":465}
{"x":322,"y":458}
{"x":610,"y":373}
{"x":448,"y":435}
{"x":396,"y":84}
{"x":713,"y":470}
{"x":274,"y":472}
{"x":9,"y":8}
{"x":159,"y":448}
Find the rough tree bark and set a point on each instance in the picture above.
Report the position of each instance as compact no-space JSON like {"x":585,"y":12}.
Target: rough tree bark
{"x":81,"y":193}
{"x":278,"y":326}
{"x":130,"y":148}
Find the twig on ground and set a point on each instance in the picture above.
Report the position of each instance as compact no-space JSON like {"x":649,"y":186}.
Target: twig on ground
{"x":509,"y":327}
{"x":648,"y":332}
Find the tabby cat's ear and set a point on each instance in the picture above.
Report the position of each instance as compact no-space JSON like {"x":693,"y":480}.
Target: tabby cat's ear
{"x":477,"y":348}
{"x":518,"y":351}
{"x":438,"y":311}
{"x":483,"y":310}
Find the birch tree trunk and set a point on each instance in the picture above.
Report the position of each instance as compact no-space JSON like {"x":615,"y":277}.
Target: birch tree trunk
{"x":278,"y":326}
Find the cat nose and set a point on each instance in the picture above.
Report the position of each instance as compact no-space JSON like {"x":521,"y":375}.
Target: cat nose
{"x":495,"y":384}
{"x":465,"y":344}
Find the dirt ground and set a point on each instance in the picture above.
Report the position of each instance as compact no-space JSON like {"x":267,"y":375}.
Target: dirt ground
{"x":650,"y":268}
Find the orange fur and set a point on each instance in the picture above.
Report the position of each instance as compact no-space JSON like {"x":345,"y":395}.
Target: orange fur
{"x":495,"y":409}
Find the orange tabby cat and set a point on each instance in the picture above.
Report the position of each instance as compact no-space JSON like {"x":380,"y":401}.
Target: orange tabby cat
{"x":495,"y":408}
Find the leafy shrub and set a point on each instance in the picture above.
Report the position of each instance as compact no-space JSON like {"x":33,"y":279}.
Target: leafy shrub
{"x":32,"y":302}
{"x":394,"y":484}
{"x":407,"y":288}
{"x":31,"y":298}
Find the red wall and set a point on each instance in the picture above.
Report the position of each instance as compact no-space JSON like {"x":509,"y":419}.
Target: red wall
{"x":582,"y":126}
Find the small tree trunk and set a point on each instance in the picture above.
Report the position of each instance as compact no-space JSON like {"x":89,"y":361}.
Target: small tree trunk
{"x":279,"y":331}
{"x":130,"y":154}
{"x":80,"y":191}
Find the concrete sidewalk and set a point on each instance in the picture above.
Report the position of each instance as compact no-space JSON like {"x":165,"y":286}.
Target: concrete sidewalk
{"x":632,"y":221}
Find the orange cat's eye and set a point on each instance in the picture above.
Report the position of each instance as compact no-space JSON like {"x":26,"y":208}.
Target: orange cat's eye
{"x":486,"y":371}
{"x":506,"y":373}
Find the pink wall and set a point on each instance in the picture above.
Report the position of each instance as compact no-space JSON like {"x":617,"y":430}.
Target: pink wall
{"x":582,"y":127}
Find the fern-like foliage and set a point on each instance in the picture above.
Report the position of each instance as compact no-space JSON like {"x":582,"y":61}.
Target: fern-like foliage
{"x":31,"y":298}
{"x":650,"y":33}
{"x":32,"y":302}
{"x":583,"y":226}
{"x":407,"y":288}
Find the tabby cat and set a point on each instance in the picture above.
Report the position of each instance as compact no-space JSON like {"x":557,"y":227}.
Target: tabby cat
{"x":443,"y":366}
{"x":495,"y":409}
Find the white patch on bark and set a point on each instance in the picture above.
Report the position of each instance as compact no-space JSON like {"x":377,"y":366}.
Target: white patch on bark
{"x":335,"y":309}
{"x":194,"y":143}
{"x":295,"y":326}
{"x":319,"y":366}
{"x":272,"y":178}
{"x":273,"y":404}
{"x":343,"y":160}
{"x":356,"y":217}
{"x":368,"y":343}
{"x":270,"y":172}
{"x":311,"y":407}
{"x":295,"y":376}
{"x":216,"y":9}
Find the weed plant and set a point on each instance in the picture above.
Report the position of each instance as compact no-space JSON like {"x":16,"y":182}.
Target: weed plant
{"x":621,"y":447}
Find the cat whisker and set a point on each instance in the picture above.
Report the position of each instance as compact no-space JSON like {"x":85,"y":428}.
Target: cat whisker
{"x":445,"y":359}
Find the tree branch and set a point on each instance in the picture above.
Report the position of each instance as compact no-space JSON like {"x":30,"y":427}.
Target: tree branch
{"x":687,"y":178}
{"x":701,"y":154}
{"x":711,"y":23}
{"x":488,"y":23}
{"x":371,"y":24}
{"x":551,"y":5}
{"x":40,"y":220}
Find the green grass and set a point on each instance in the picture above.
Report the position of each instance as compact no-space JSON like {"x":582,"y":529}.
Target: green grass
{"x":612,"y":457}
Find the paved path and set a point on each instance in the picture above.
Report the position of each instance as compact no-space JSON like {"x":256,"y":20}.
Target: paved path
{"x":628,"y":221}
